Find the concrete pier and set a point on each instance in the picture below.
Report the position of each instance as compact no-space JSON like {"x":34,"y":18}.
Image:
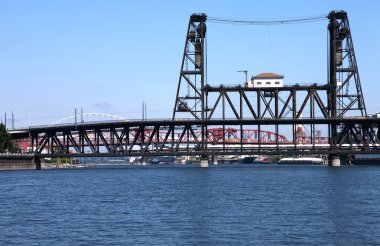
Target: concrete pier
{"x":18,"y":162}
{"x":334,"y":160}
{"x":37,"y":163}
{"x":144,"y":161}
{"x":215,"y":159}
{"x":204,"y":161}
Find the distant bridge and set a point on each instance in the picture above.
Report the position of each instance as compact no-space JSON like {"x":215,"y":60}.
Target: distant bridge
{"x":81,"y":116}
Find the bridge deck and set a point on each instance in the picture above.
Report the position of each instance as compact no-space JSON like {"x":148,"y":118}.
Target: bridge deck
{"x":198,"y":137}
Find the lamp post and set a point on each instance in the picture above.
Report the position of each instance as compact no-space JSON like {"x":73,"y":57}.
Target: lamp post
{"x":246,"y":74}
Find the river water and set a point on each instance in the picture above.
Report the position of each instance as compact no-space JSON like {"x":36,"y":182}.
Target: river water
{"x":186,"y":205}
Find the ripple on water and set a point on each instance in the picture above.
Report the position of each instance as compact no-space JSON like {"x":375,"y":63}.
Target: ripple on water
{"x":221,"y":205}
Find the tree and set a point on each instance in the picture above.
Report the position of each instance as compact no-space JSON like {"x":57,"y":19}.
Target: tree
{"x":6,"y":142}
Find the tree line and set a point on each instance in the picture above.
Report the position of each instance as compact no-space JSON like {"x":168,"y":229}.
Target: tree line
{"x":7,"y":144}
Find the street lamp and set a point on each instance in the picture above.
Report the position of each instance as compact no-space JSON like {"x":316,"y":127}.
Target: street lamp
{"x":246,"y":74}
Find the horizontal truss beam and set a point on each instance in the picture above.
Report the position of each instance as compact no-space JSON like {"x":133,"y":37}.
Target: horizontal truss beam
{"x":195,"y":137}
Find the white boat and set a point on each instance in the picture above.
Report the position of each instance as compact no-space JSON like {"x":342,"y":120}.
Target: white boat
{"x":302,"y":160}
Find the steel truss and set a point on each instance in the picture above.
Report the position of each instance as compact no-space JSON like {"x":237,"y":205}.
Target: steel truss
{"x":340,"y":97}
{"x":346,"y":95}
{"x":190,"y":95}
{"x":344,"y":100}
{"x":274,"y":103}
{"x":243,"y":137}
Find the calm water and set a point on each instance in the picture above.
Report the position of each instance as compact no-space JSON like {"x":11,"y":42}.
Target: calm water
{"x":237,"y":205}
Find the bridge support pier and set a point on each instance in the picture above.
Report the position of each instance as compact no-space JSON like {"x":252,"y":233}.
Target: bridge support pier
{"x":37,"y":162}
{"x":204,"y":161}
{"x":334,"y":160}
{"x":144,"y":160}
{"x":215,"y":159}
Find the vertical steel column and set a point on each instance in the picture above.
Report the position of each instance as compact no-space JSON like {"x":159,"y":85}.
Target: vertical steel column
{"x":32,"y":138}
{"x":157,"y":138}
{"x":224,"y":137}
{"x":259,"y":136}
{"x":294,"y":107}
{"x":50,"y":143}
{"x":258,"y":92}
{"x":276,"y":103}
{"x":97,"y":142}
{"x":65,"y":133}
{"x":81,"y":141}
{"x":332,"y":92}
{"x":173,"y":142}
{"x":188,"y":138}
{"x":126,"y":139}
{"x":205,"y":128}
{"x":223,"y":105}
{"x":142,"y":139}
{"x":112,"y":138}
{"x":202,"y":30}
{"x":276,"y":115}
{"x":312,"y":116}
{"x":66,"y":151}
{"x":241,"y":138}
{"x":224,"y":117}
{"x":241,"y":104}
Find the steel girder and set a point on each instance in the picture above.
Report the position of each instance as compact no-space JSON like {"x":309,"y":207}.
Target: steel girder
{"x":185,"y":138}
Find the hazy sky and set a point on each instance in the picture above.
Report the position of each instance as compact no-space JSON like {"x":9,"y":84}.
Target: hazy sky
{"x":109,"y":56}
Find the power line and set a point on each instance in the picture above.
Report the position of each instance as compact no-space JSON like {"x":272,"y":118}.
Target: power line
{"x":300,"y":20}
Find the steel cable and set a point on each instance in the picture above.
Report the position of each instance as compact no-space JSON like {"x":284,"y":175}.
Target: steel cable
{"x":300,"y":20}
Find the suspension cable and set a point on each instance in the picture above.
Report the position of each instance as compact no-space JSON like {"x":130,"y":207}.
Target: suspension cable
{"x":231,"y":21}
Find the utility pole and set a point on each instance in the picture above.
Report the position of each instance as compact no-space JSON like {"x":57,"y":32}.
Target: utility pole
{"x":75,"y":116}
{"x":143,"y":110}
{"x":81,"y":115}
{"x":13,"y":121}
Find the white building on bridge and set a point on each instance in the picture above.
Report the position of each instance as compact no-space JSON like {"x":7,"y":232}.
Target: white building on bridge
{"x":266,"y":80}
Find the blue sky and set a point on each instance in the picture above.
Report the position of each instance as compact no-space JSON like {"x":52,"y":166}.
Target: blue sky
{"x":109,"y":56}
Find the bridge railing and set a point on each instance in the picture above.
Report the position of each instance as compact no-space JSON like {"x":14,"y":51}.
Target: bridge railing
{"x":158,"y":120}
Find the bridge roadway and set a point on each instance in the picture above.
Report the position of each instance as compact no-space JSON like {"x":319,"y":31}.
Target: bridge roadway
{"x":184,"y":137}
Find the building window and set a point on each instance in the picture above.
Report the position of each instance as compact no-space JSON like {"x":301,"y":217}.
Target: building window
{"x":277,"y":82}
{"x":268,"y":83}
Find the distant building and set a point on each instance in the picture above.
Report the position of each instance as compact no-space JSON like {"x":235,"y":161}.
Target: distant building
{"x":266,"y":80}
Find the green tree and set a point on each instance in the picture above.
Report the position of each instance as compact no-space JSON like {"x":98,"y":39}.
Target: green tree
{"x":6,"y":142}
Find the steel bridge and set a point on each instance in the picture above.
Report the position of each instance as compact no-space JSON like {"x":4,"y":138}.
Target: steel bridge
{"x":234,"y":120}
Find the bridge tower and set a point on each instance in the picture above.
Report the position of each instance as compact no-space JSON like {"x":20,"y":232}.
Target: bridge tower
{"x":190,"y":100}
{"x":345,"y":95}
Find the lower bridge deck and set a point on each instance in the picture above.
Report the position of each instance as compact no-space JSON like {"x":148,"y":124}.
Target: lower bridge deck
{"x":202,"y":137}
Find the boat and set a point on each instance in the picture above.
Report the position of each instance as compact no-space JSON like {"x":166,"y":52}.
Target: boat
{"x":162,"y":160}
{"x":302,"y":160}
